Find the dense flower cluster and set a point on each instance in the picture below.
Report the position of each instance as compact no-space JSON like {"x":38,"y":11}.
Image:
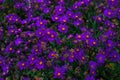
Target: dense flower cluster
{"x":59,"y":39}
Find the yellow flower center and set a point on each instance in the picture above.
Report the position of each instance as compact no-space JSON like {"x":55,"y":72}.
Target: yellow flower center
{"x":23,"y":64}
{"x":41,"y":23}
{"x":94,"y":43}
{"x":59,"y":74}
{"x":79,"y":36}
{"x":87,"y":36}
{"x":48,"y":32}
{"x":63,"y":29}
{"x":52,"y":36}
{"x":0,"y":62}
{"x":11,"y":49}
{"x":64,"y":21}
{"x":109,"y":13}
{"x":33,"y":58}
{"x":60,"y":9}
{"x":40,"y":62}
{"x":56,"y":18}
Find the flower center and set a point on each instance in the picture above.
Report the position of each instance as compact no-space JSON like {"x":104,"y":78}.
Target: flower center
{"x":40,"y":62}
{"x":59,"y":74}
{"x":23,"y":64}
{"x":41,"y":23}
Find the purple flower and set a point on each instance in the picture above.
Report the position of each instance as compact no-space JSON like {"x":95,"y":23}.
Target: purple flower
{"x":92,"y":42}
{"x":41,"y":23}
{"x":118,"y":13}
{"x":52,"y":55}
{"x":47,"y":10}
{"x":22,"y":65}
{"x":32,"y":58}
{"x":64,"y":19}
{"x":114,"y":56}
{"x":59,"y":72}
{"x":5,"y":69}
{"x":93,"y":72}
{"x":100,"y":58}
{"x":109,"y":13}
{"x":88,"y":77}
{"x":36,"y":49}
{"x":18,"y":41}
{"x":77,"y":23}
{"x":39,"y":33}
{"x":59,"y":9}
{"x":2,"y":61}
{"x":92,"y":65}
{"x":113,"y":3}
{"x":2,"y":1}
{"x":77,"y":15}
{"x":13,"y":18}
{"x":51,"y":35}
{"x":63,"y":28}
{"x":69,"y":13}
{"x":12,"y":29}
{"x":55,"y":18}
{"x":110,"y":44}
{"x":40,"y":63}
{"x":71,"y":57}
{"x":99,"y":19}
{"x":9,"y":49}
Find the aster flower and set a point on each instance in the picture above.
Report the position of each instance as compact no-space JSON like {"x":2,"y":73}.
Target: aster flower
{"x":13,"y":18}
{"x":88,"y":77}
{"x":78,"y":37}
{"x":63,"y":28}
{"x":110,"y":44}
{"x":71,"y":57}
{"x":55,"y":18}
{"x":81,"y":56}
{"x":47,"y":10}
{"x":100,"y":58}
{"x":40,"y":63}
{"x":18,"y":41}
{"x":92,"y":42}
{"x":59,"y":9}
{"x":76,"y":5}
{"x":36,"y":49}
{"x":61,"y":2}
{"x":2,"y":1}
{"x":51,"y":35}
{"x":59,"y":72}
{"x":12,"y":29}
{"x":69,"y":13}
{"x":52,"y":55}
{"x":118,"y":12}
{"x":77,"y":15}
{"x":93,"y":65}
{"x":93,"y":72}
{"x":41,"y":23}
{"x":109,"y":13}
{"x":32,"y":58}
{"x":99,"y":19}
{"x":9,"y":49}
{"x":113,"y":3}
{"x":2,"y":61}
{"x":5,"y":69}
{"x":22,"y":65}
{"x":39,"y":33}
{"x":77,"y":23}
{"x":87,"y":2}
{"x":64,"y":19}
{"x":19,"y":5}
{"x":114,"y":56}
